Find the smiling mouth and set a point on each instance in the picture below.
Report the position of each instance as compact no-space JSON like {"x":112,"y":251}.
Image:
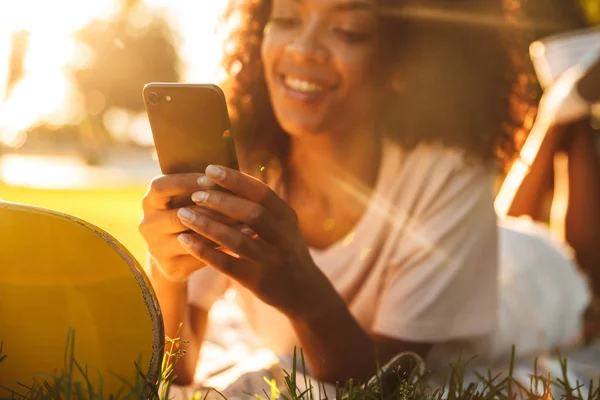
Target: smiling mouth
{"x":300,"y":85}
{"x":303,"y":86}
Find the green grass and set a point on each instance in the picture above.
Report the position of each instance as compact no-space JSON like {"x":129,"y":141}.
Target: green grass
{"x":117,"y":211}
{"x":391,"y":383}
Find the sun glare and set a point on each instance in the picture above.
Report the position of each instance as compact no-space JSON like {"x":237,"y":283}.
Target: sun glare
{"x":44,"y":91}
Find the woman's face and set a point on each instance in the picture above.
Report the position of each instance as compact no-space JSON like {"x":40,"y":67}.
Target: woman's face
{"x":320,"y":62}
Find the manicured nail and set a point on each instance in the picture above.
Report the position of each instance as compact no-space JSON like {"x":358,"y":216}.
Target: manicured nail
{"x":205,"y":181}
{"x":199,"y":197}
{"x":186,"y":215}
{"x":214,"y":172}
{"x":184,"y":239}
{"x":247,"y":231}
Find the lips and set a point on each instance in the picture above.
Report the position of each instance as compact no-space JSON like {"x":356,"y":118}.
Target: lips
{"x":304,"y":87}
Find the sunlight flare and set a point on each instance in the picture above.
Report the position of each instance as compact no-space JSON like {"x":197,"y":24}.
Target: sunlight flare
{"x":46,"y":93}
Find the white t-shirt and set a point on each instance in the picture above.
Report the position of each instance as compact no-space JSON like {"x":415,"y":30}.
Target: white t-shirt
{"x":421,"y":264}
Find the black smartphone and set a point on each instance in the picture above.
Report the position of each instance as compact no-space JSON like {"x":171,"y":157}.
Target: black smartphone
{"x":191,"y":128}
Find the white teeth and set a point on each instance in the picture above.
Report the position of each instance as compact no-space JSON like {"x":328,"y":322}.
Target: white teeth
{"x":303,"y":86}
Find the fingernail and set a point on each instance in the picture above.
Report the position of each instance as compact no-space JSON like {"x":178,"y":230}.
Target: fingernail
{"x":199,"y":197}
{"x":205,"y":181}
{"x":214,"y":172}
{"x":247,"y":231}
{"x":186,"y":214}
{"x":184,"y":239}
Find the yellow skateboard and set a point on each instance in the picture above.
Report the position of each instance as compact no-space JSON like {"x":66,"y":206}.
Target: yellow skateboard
{"x":72,"y":299}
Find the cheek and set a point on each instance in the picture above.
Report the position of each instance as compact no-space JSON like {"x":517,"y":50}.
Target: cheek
{"x":270,"y":52}
{"x":359,"y":71}
{"x":364,"y":87}
{"x":265,"y":53}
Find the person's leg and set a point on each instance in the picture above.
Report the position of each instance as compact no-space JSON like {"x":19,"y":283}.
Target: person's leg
{"x":530,"y":197}
{"x":583,"y":213}
{"x":582,"y":220}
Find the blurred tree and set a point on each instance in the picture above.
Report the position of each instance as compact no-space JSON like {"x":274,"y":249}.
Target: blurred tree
{"x":126,"y":57}
{"x":124,"y":54}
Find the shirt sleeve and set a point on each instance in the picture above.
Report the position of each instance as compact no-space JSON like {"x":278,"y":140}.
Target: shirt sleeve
{"x":206,"y":286}
{"x":442,"y":283}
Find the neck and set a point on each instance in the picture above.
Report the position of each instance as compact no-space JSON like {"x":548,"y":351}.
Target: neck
{"x":322,"y":165}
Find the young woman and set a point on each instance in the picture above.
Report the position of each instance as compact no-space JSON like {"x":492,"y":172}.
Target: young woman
{"x":367,"y":132}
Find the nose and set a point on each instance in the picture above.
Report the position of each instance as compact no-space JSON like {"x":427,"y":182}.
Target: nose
{"x":308,"y":46}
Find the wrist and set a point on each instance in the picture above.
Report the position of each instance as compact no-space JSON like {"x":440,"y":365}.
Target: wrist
{"x":320,"y":303}
{"x":162,"y":285}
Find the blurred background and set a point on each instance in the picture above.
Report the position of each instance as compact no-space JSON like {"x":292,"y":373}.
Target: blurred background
{"x":73,"y":131}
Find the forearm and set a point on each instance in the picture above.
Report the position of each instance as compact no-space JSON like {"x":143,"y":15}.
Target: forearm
{"x":178,"y":322}
{"x":583,"y":213}
{"x":335,"y":345}
{"x":538,"y":182}
{"x":337,"y":348}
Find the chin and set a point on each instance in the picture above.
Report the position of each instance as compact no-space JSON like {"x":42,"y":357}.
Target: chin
{"x":300,"y":129}
{"x":303,"y":125}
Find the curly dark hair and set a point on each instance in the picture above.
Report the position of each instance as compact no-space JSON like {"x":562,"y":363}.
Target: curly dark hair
{"x":468,"y":83}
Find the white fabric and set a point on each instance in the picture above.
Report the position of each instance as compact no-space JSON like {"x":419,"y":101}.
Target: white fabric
{"x":560,"y":62}
{"x":543,"y":295}
{"x":554,"y":55}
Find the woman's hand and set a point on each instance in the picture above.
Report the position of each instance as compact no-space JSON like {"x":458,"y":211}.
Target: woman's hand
{"x":275,"y":265}
{"x":160,"y":225}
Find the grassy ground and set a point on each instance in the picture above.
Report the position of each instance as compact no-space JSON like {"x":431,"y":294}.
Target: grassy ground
{"x":117,"y":211}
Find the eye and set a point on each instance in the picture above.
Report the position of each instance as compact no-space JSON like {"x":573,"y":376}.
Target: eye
{"x":285,"y":22}
{"x":352,"y":36}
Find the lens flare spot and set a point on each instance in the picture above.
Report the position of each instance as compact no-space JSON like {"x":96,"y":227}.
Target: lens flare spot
{"x":364,"y":253}
{"x":349,"y":239}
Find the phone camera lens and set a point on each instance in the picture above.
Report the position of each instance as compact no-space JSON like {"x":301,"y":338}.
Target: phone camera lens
{"x":153,"y":98}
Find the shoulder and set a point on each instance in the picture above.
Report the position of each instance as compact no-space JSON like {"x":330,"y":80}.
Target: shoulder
{"x":436,"y":161}
{"x":431,"y":176}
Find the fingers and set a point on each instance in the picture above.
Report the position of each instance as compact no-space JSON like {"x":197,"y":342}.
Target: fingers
{"x":167,"y":222}
{"x":249,"y":188}
{"x":163,"y":188}
{"x":166,"y":248}
{"x":237,"y":268}
{"x":231,"y":239}
{"x":252,"y":214}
